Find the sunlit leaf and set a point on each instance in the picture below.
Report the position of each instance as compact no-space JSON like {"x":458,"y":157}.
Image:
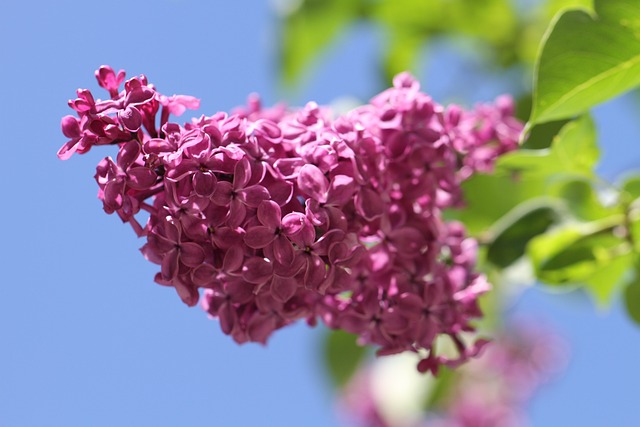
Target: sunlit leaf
{"x":587,"y":59}
{"x":573,"y":253}
{"x":603,"y":284}
{"x":574,"y":151}
{"x":489,"y":197}
{"x":582,"y":200}
{"x":631,"y":187}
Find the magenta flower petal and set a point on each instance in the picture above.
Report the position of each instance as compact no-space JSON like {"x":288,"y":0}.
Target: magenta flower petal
{"x":227,"y":317}
{"x":407,"y":240}
{"x":260,"y":328}
{"x":242,"y":173}
{"x":269,"y":214}
{"x":128,"y":154}
{"x":67,"y":150}
{"x":191,"y":254}
{"x":283,"y":250}
{"x":141,"y":178}
{"x":109,"y":80}
{"x":259,"y":237}
{"x":237,"y":213}
{"x":170,"y":265}
{"x":312,"y":181}
{"x":204,"y":184}
{"x":293,"y":223}
{"x":233,"y":258}
{"x":139,"y":96}
{"x":315,"y":272}
{"x":369,"y":204}
{"x":342,"y":189}
{"x":283,"y":288}
{"x":254,"y":195}
{"x":223,"y":193}
{"x":257,"y":270}
{"x":70,"y":127}
{"x":281,"y":192}
{"x":188,"y":294}
{"x":204,"y":275}
{"x":130,"y":118}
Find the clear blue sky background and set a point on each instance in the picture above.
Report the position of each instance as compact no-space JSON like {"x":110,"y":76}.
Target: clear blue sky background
{"x":87,"y":338}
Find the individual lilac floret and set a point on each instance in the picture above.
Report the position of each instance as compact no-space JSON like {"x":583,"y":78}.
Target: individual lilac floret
{"x":286,"y":215}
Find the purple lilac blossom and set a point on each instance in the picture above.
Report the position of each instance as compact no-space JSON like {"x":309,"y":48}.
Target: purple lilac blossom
{"x":270,"y":216}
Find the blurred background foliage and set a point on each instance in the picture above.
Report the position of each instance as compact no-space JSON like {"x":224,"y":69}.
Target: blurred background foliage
{"x":507,"y":31}
{"x":544,"y":212}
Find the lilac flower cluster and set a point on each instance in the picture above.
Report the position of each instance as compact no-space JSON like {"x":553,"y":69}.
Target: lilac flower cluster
{"x":284,"y":215}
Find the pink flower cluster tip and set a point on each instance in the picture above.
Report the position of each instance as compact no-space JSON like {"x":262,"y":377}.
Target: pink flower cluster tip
{"x":269,"y":216}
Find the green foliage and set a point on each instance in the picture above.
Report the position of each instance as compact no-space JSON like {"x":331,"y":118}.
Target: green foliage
{"x":587,"y":59}
{"x":573,"y":152}
{"x":441,"y":390}
{"x":632,"y":298}
{"x":342,"y":356}
{"x":515,"y":230}
{"x":310,"y":28}
{"x":408,"y":26}
{"x":574,"y":252}
{"x":492,"y":22}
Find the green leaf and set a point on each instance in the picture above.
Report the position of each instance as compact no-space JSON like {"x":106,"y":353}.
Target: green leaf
{"x":409,"y":24}
{"x":587,"y":59}
{"x":631,"y":187}
{"x":582,"y":201}
{"x":574,"y":152}
{"x":402,"y":52}
{"x":632,"y":299}
{"x":489,"y":197}
{"x":575,"y":252}
{"x":542,"y":136}
{"x":443,"y":385}
{"x":554,"y":6}
{"x":342,"y":356}
{"x":514,"y":231}
{"x":604,"y":282}
{"x":308,"y":29}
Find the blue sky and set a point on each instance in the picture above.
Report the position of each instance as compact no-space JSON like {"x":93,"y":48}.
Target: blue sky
{"x":87,"y":338}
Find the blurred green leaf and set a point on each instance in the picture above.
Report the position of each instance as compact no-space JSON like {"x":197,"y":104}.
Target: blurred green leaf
{"x":603,"y":283}
{"x":587,"y":59}
{"x":514,"y":231}
{"x":573,"y":253}
{"x":309,"y":28}
{"x":489,"y":197}
{"x":542,"y":136}
{"x":402,"y":52}
{"x":631,"y":187}
{"x":574,"y":151}
{"x":582,"y":201}
{"x":410,"y":23}
{"x":342,"y":356}
{"x":632,"y":298}
{"x":443,"y":385}
{"x":552,"y":7}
